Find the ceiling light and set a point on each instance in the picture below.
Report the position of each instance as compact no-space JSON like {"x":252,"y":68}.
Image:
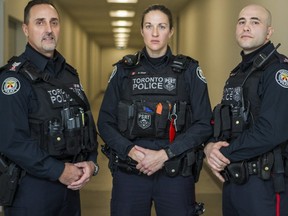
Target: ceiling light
{"x":121,"y":30}
{"x":122,"y":1}
{"x":121,"y":35}
{"x":120,"y":39}
{"x":122,"y":23}
{"x":122,"y":13}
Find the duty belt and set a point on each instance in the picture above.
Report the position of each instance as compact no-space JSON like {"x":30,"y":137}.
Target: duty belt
{"x":239,"y":172}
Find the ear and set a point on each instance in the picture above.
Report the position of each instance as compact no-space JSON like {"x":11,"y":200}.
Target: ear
{"x":269,"y":32}
{"x":25,"y":29}
{"x":141,"y":30}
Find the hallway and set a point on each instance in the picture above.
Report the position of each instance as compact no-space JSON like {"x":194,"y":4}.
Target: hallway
{"x":95,"y":196}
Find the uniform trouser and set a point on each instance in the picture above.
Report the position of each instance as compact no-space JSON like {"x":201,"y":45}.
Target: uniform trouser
{"x":39,"y":197}
{"x":132,"y":195}
{"x":254,"y":198}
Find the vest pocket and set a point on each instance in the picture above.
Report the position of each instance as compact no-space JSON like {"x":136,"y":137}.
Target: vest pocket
{"x":73,"y":140}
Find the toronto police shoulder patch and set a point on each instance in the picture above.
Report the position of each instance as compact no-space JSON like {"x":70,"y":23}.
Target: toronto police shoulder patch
{"x":10,"y":86}
{"x":113,"y":73}
{"x":281,"y":78}
{"x":200,"y":74}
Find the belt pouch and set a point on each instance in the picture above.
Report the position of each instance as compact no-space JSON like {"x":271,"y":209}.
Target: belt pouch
{"x":173,"y":166}
{"x":238,"y":172}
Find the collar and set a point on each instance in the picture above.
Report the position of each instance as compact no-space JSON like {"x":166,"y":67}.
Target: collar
{"x":247,"y":60}
{"x":52,"y":65}
{"x":160,"y":61}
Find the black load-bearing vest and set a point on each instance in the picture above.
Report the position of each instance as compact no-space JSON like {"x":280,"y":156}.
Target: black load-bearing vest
{"x":62,"y":126}
{"x":150,"y":99}
{"x":240,"y":105}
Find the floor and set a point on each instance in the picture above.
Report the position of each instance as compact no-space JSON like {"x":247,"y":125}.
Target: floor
{"x":95,"y":196}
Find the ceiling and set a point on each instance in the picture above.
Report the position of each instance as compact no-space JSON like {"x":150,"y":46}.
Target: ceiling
{"x":93,"y":17}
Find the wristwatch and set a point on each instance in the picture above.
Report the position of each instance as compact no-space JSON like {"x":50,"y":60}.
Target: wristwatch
{"x":169,"y":153}
{"x":96,"y":170}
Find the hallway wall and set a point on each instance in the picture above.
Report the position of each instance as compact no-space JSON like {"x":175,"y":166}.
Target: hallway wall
{"x":206,"y":32}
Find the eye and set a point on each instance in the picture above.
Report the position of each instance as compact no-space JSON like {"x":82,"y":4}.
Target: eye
{"x":55,"y":23}
{"x":148,"y":26}
{"x":162,"y":27}
{"x":39,"y":22}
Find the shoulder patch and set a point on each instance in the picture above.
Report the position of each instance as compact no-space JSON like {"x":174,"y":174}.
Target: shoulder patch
{"x":113,"y":73}
{"x":10,"y":86}
{"x":281,"y":78}
{"x":200,"y":74}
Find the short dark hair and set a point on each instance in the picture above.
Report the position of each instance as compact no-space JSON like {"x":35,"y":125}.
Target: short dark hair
{"x":161,"y":8}
{"x":33,"y":3}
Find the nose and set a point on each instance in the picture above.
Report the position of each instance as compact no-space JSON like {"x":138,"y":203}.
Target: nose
{"x":49,"y":27}
{"x":155,"y":32}
{"x":246,"y":27}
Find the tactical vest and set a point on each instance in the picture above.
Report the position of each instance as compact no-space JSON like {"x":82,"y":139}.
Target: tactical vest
{"x":150,"y":100}
{"x":240,"y":105}
{"x":62,"y":127}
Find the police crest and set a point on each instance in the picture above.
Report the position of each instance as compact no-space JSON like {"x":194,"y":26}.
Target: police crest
{"x":169,"y":83}
{"x":281,"y":78}
{"x":144,"y":120}
{"x":10,"y":86}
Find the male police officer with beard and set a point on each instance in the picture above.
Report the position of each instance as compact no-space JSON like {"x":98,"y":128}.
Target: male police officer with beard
{"x":46,"y":126}
{"x":251,"y":128}
{"x":154,"y":115}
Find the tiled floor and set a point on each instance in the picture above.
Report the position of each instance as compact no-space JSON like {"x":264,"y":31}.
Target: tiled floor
{"x":95,"y":196}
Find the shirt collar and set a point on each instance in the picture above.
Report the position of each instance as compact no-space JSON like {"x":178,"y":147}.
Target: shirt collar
{"x":44,"y":63}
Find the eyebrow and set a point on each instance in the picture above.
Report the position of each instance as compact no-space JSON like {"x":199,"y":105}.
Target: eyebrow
{"x":252,"y":18}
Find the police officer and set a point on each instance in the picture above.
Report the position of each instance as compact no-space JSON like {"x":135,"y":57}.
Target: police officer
{"x":154,"y":114}
{"x":46,"y":126}
{"x":250,"y":129}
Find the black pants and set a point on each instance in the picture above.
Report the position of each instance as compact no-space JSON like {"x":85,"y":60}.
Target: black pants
{"x":255,"y":198}
{"x":132,"y":195}
{"x":38,"y":197}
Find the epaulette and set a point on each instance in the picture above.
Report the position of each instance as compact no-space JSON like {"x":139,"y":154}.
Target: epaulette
{"x":181,"y":62}
{"x":14,"y":64}
{"x":130,"y":60}
{"x":71,"y":69}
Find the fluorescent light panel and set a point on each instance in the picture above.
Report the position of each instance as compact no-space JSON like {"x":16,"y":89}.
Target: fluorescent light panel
{"x":122,"y":23}
{"x":122,"y":13}
{"x":121,"y":30}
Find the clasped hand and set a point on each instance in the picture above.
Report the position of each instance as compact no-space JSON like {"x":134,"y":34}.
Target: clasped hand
{"x":149,"y":161}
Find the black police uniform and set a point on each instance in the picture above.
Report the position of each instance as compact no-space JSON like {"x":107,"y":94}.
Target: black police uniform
{"x":129,"y":116}
{"x":29,"y":108}
{"x":256,"y":176}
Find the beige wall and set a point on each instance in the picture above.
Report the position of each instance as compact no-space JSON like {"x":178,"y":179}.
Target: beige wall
{"x":206,"y":32}
{"x":75,"y":45}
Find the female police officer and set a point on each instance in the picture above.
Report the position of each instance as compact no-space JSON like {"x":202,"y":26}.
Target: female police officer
{"x":152,"y":96}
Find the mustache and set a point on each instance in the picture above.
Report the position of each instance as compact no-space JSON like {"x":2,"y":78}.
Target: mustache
{"x":49,"y":35}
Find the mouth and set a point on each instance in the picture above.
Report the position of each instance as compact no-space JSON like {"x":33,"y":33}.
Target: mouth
{"x":48,"y":38}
